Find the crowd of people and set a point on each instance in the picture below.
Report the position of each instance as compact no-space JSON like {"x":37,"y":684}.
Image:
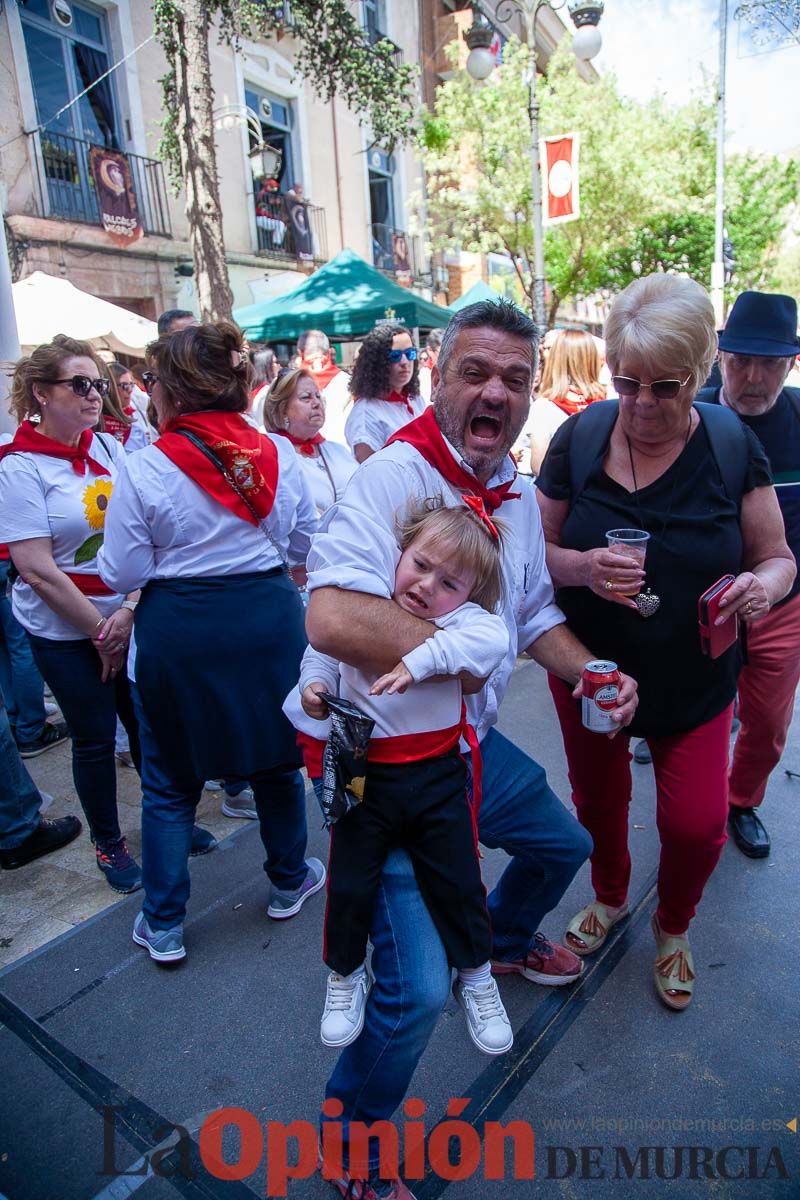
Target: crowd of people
{"x":201,"y":560}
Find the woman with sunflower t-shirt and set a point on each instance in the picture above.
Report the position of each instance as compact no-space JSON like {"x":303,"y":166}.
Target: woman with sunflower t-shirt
{"x":56,"y":480}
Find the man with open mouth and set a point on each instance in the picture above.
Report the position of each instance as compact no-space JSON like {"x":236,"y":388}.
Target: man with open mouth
{"x":458,"y":450}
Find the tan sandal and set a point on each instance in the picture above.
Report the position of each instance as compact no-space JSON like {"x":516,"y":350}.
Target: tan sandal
{"x":674,"y":966}
{"x":588,"y":929}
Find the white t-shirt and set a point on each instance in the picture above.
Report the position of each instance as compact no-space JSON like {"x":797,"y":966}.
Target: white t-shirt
{"x":163,"y":525}
{"x":356,"y":549}
{"x":41,"y":496}
{"x":545,"y":419}
{"x":338,"y":404}
{"x":372,"y":422}
{"x":467,"y":639}
{"x":327,"y":473}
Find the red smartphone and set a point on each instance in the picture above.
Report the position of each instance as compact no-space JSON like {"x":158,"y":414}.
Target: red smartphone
{"x":716,"y":639}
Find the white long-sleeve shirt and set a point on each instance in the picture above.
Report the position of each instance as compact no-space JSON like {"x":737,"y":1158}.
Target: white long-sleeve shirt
{"x":162,"y":525}
{"x":356,"y":549}
{"x":467,"y":639}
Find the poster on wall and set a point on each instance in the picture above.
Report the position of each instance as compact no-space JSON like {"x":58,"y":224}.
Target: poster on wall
{"x":559,"y":162}
{"x":116,"y":199}
{"x":297,"y":212}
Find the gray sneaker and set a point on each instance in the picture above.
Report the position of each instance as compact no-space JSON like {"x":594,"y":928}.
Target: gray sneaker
{"x":242,"y":805}
{"x":163,"y":945}
{"x":287,"y":904}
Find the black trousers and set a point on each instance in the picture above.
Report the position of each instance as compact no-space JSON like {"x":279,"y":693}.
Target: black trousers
{"x":422,"y":807}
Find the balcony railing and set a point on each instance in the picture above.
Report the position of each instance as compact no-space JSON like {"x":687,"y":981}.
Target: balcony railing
{"x":290,"y":229}
{"x":395,"y":253}
{"x":374,"y":34}
{"x":66,"y":187}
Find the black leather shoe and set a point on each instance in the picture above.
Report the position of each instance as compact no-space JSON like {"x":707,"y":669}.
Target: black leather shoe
{"x":51,"y":835}
{"x":748,"y":832}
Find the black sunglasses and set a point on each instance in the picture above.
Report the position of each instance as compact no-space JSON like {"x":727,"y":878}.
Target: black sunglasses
{"x":149,"y":379}
{"x":82,"y":385}
{"x":662,"y":389}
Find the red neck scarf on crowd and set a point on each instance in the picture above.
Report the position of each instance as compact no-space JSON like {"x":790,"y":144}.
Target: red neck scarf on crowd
{"x":249,"y":457}
{"x":121,"y":430}
{"x":304,"y":445}
{"x":426,"y":437}
{"x":28,"y":441}
{"x":400,"y":398}
{"x":322,"y":376}
{"x":574,"y":402}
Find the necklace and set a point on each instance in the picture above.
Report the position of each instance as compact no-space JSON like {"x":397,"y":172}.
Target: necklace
{"x":647,"y":601}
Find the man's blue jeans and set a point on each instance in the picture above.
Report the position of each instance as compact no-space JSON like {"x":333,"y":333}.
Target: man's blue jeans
{"x":19,"y":796}
{"x":519,"y":814}
{"x":23,"y":686}
{"x":168,"y":808}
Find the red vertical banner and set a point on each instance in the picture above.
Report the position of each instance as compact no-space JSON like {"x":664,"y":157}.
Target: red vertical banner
{"x":559,"y":165}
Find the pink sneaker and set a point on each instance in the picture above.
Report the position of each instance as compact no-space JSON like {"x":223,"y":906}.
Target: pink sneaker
{"x":363,"y":1189}
{"x":544,"y":963}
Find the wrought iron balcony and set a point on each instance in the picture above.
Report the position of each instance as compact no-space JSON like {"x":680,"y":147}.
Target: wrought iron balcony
{"x":395,"y":253}
{"x":65,"y":186}
{"x":291,"y":229}
{"x":374,"y":34}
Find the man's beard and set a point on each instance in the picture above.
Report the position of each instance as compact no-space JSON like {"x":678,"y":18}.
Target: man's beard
{"x":452,"y":427}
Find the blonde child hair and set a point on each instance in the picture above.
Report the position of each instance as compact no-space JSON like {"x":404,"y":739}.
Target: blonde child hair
{"x":467,"y":541}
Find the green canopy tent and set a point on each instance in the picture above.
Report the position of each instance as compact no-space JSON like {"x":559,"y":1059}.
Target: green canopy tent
{"x":344,"y":299}
{"x":478,"y":291}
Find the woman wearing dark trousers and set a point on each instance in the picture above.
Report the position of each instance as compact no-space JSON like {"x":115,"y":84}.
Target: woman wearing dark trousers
{"x":205,"y":522}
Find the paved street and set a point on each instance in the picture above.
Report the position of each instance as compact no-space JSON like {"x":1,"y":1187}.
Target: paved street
{"x":601,"y":1071}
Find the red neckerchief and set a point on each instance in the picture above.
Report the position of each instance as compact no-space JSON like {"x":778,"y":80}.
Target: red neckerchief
{"x":304,"y":445}
{"x":250,"y":458}
{"x":321,"y":377}
{"x":28,"y":441}
{"x":121,"y":430}
{"x":477,"y":506}
{"x":426,"y":437}
{"x":400,"y":398}
{"x":574,"y":402}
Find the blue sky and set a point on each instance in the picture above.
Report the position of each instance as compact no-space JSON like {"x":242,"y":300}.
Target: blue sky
{"x":663,"y":46}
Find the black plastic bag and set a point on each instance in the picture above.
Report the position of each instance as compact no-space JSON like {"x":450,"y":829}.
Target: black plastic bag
{"x":344,"y":762}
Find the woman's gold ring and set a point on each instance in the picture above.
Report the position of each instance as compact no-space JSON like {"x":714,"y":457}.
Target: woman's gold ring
{"x":609,"y":586}
{"x":748,"y":609}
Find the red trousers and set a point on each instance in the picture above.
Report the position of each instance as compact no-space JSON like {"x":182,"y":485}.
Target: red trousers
{"x":691,"y":806}
{"x":766,"y":701}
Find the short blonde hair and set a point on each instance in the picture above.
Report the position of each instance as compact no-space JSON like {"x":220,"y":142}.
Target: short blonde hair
{"x":276,"y":401}
{"x":466,"y":540}
{"x":666,"y":319}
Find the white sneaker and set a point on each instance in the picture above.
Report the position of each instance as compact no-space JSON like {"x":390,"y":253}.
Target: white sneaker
{"x":487,"y":1022}
{"x":212,"y":785}
{"x":343,"y":1017}
{"x":242,"y":805}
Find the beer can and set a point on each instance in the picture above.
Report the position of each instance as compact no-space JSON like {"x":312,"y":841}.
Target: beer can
{"x":600,"y":692}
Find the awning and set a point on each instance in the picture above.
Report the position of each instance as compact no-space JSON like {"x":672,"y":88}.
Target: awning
{"x":45,"y":305}
{"x":344,"y":299}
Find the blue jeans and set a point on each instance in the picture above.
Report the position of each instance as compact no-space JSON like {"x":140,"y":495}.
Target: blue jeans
{"x":520,"y":814}
{"x":19,"y":796}
{"x":168,"y":808}
{"x":90,"y":708}
{"x":20,"y":680}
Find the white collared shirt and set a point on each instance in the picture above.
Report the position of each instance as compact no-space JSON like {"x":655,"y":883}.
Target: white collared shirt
{"x":372,"y":422}
{"x":326,"y":473}
{"x":163,"y":525}
{"x":356,"y":549}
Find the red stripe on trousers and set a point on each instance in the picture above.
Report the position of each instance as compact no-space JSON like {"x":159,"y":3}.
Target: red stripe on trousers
{"x":766,"y":701}
{"x":691,"y":806}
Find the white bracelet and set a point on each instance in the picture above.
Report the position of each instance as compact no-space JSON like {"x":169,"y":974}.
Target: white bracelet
{"x":130,"y":605}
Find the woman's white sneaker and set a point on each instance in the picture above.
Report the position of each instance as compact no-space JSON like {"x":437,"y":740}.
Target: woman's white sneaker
{"x":345,"y":1001}
{"x":487,"y":1022}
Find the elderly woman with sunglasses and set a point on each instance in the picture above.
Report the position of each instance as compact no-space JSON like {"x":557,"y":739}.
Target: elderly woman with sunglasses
{"x":701,"y":488}
{"x":56,"y":480}
{"x":385,"y":389}
{"x":205,"y":522}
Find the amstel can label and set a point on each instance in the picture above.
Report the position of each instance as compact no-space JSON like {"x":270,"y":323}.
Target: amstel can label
{"x":600,"y":692}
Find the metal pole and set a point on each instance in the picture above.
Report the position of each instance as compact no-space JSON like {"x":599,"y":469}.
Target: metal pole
{"x":9,"y":338}
{"x":539,"y":314}
{"x":718,"y":268}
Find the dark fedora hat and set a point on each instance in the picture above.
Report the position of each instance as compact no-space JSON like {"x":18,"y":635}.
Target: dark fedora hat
{"x":762,"y":324}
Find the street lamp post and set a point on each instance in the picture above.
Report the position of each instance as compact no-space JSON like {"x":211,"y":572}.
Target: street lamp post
{"x":585,"y":15}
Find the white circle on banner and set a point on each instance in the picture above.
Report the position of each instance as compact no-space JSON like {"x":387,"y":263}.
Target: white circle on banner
{"x":560,"y":179}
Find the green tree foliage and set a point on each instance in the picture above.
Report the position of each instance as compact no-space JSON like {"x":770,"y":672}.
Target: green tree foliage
{"x":646,"y":181}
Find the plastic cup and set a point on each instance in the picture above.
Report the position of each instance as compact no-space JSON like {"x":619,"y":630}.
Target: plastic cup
{"x":634,"y":543}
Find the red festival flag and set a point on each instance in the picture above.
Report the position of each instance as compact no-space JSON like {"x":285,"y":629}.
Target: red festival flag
{"x":559,"y":163}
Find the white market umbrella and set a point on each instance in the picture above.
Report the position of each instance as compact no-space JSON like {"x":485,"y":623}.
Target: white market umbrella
{"x":45,"y":305}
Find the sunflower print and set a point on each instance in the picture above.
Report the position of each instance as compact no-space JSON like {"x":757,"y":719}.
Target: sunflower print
{"x":95,"y":502}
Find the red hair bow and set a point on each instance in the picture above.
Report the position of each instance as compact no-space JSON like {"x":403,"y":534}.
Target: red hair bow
{"x":477,"y":506}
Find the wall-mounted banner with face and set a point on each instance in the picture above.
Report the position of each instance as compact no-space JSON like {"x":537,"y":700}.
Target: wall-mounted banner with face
{"x":559,"y":161}
{"x":116,"y":199}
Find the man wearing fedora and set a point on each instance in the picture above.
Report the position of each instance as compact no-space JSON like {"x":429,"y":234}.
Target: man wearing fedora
{"x":758,"y":348}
